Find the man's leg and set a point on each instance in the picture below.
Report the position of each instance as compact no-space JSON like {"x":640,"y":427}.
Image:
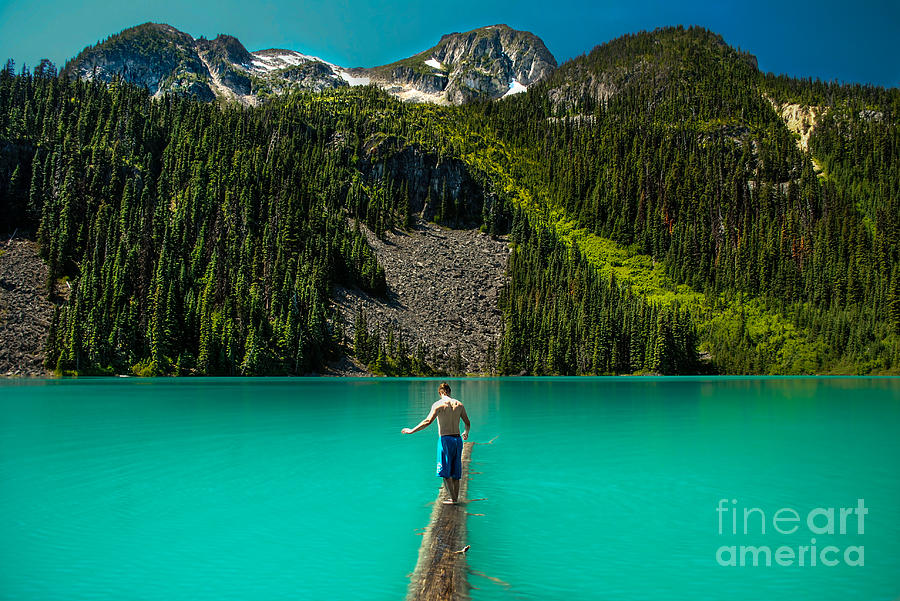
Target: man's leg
{"x":457,"y":469}
{"x":454,"y":483}
{"x":451,"y":464}
{"x":448,"y":484}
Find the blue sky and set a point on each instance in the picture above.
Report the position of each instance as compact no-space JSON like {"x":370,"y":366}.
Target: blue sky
{"x":829,"y":39}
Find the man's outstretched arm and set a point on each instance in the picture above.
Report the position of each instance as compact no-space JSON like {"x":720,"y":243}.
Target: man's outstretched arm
{"x":422,"y":424}
{"x":465,"y":418}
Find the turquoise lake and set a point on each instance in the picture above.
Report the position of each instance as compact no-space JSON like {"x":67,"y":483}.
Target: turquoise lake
{"x":593,"y":488}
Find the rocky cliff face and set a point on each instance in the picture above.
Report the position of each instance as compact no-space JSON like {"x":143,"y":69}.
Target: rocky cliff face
{"x":493,"y":61}
{"x":490,"y":62}
{"x":800,"y":119}
{"x":156,"y":56}
{"x":165,"y":60}
{"x":430,"y":180}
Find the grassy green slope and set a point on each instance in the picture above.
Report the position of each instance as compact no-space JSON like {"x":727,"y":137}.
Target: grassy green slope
{"x":769,"y":334}
{"x":501,"y":166}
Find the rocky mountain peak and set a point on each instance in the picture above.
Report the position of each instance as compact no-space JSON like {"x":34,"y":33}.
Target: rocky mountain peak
{"x":493,"y":60}
{"x":154,"y":55}
{"x":227,"y":48}
{"x":489,"y":62}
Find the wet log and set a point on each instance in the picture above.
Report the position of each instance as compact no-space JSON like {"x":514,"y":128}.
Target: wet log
{"x":441,"y":572}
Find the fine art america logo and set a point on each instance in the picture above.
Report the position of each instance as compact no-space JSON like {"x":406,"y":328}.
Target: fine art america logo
{"x":829,"y":522}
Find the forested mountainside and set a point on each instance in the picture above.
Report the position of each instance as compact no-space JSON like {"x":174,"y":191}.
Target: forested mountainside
{"x":787,"y":260}
{"x":663,"y":217}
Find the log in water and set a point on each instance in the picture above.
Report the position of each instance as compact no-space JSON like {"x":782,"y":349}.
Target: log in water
{"x":441,"y":571}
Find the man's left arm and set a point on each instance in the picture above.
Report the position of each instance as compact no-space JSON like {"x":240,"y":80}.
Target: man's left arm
{"x":465,"y":418}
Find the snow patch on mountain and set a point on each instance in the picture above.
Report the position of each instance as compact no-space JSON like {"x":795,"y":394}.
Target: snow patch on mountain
{"x":354,"y":81}
{"x":515,"y":88}
{"x":409,"y":93}
{"x":264,"y":61}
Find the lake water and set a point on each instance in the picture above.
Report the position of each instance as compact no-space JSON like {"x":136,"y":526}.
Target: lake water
{"x":600,"y":488}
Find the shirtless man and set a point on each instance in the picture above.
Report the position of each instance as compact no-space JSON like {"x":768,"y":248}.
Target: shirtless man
{"x":448,"y":412}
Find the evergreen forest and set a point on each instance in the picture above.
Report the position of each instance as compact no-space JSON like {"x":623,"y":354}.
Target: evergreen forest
{"x":662,"y":216}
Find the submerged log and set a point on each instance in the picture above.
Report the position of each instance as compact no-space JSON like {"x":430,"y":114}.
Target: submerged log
{"x":442,"y":571}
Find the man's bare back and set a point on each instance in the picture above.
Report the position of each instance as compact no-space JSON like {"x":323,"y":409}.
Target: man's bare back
{"x":448,"y":412}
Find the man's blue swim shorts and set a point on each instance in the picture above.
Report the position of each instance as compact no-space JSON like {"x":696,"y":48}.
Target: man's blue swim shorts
{"x":449,"y":456}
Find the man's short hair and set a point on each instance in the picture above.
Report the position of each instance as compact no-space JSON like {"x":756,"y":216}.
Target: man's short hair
{"x":444,"y":388}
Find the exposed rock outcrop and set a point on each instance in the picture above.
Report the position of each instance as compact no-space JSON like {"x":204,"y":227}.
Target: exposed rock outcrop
{"x":582,"y":84}
{"x":311,"y":76}
{"x":431,"y":180}
{"x":800,"y":119}
{"x":489,"y":62}
{"x":153,"y":55}
{"x":25,"y":312}
{"x":443,"y":291}
{"x":225,"y":48}
{"x":226,"y":61}
{"x":165,"y":60}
